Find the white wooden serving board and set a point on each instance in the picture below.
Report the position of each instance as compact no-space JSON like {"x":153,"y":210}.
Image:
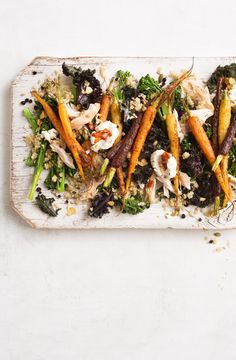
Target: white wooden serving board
{"x":158,"y":215}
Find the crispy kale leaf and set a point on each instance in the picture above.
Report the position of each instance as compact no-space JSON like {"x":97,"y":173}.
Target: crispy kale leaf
{"x":45,"y":204}
{"x":81,"y":79}
{"x":121,"y":90}
{"x":135,"y":205}
{"x":226,"y":71}
{"x":100,"y":206}
{"x":148,"y":86}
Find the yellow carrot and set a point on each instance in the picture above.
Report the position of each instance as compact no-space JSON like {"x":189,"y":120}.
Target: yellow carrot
{"x":105,"y":107}
{"x":171,"y":124}
{"x":116,"y":118}
{"x":224,"y":118}
{"x":205,"y":145}
{"x":144,"y":129}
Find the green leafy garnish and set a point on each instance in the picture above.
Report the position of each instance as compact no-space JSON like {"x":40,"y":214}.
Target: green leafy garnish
{"x":45,"y":204}
{"x":121,"y":80}
{"x":186,"y":144}
{"x":134,"y":205}
{"x":232,"y":161}
{"x":148,"y":86}
{"x":31,"y":119}
{"x":38,"y":168}
{"x":58,"y":172}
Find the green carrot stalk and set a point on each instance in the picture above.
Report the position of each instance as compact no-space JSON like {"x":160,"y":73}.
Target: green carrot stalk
{"x":109,"y":177}
{"x":104,"y":166}
{"x":61,"y":181}
{"x":31,"y":119}
{"x":38,"y":169}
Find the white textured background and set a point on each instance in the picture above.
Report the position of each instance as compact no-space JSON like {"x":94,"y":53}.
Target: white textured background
{"x":120,"y":295}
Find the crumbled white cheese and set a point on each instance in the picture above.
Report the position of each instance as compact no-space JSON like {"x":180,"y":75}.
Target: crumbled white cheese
{"x":202,"y":199}
{"x":164,"y":164}
{"x":54,"y":178}
{"x":185,"y":155}
{"x":190,"y":194}
{"x":49,"y":134}
{"x":131,"y":81}
{"x":202,"y":114}
{"x":86,"y":88}
{"x":109,"y":137}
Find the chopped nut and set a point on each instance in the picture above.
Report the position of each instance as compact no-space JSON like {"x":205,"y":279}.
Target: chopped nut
{"x":71,"y":211}
{"x":185,"y":155}
{"x":54,"y":178}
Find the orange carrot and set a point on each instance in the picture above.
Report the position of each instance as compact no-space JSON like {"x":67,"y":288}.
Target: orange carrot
{"x":71,"y":141}
{"x":147,"y":122}
{"x":51,"y":114}
{"x":57,"y":123}
{"x":205,"y":145}
{"x":144,"y":129}
{"x":105,"y":106}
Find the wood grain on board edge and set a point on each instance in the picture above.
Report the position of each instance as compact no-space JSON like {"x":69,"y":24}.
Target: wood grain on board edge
{"x":36,"y":219}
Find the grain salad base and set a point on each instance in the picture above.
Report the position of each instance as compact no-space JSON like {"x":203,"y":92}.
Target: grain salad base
{"x":159,"y":215}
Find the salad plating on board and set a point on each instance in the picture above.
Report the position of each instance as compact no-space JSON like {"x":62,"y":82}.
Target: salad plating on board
{"x":127,"y":143}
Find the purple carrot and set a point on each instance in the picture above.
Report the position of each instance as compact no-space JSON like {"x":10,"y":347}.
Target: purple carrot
{"x":228,"y":140}
{"x":111,"y":153}
{"x":127,"y":143}
{"x":215,"y":120}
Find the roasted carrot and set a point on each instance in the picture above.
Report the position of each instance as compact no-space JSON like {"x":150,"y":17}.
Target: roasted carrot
{"x":116,"y":118}
{"x":105,"y":107}
{"x":147,"y":121}
{"x":120,"y":178}
{"x":224,"y":123}
{"x":51,"y":114}
{"x":71,"y":141}
{"x":120,"y":155}
{"x":205,"y":145}
{"x":171,"y":124}
{"x":144,"y":129}
{"x":58,"y":126}
{"x":224,"y":117}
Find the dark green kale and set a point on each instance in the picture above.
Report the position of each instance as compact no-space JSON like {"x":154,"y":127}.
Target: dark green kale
{"x":142,"y":173}
{"x":46,"y":205}
{"x":81,"y":79}
{"x":148,"y":86}
{"x":225,"y":71}
{"x":99,"y":205}
{"x":179,"y":102}
{"x":135,"y":205}
{"x":204,"y":195}
{"x":193,"y":165}
{"x":57,"y":171}
{"x":232,"y":160}
{"x":121,"y":90}
{"x":51,"y":101}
